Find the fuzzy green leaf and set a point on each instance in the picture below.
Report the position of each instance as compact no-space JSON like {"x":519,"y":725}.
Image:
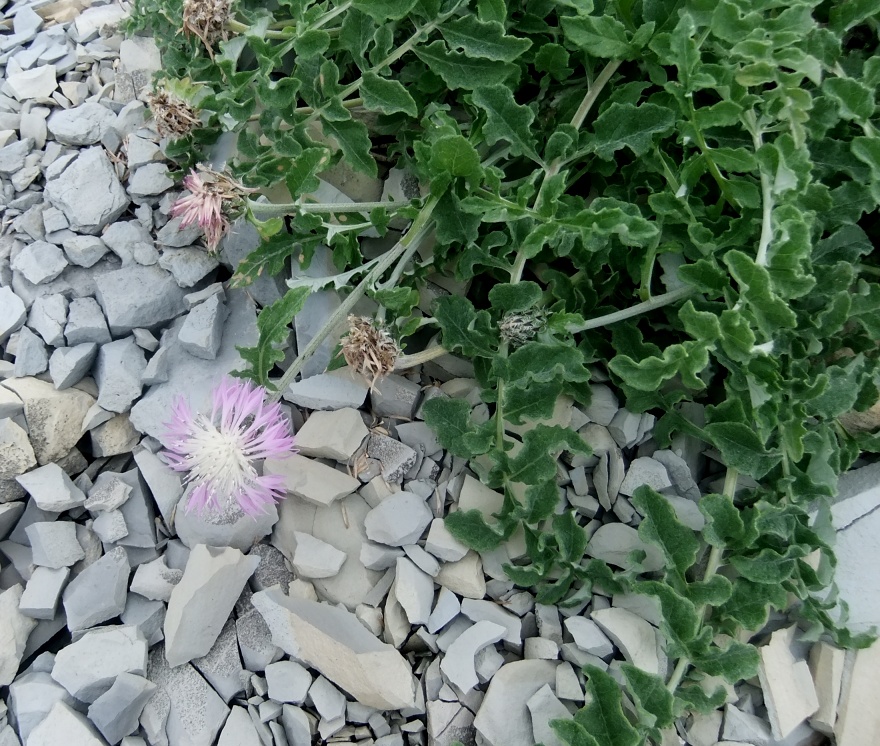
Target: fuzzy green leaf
{"x":741,"y":448}
{"x":573,"y":733}
{"x":749,"y":605}
{"x":651,"y":694}
{"x":542,"y":362}
{"x":681,"y":620}
{"x":460,"y":71}
{"x":854,"y":100}
{"x":570,"y":537}
{"x":273,"y":325}
{"x":454,"y":155}
{"x":471,"y":529}
{"x":603,"y":718}
{"x":506,"y":120}
{"x":354,"y":141}
{"x":384,"y":10}
{"x":662,"y":528}
{"x":767,"y":566}
{"x":724,"y":523}
{"x":734,"y":663}
{"x":451,"y":420}
{"x":521,"y":296}
{"x":386,"y":96}
{"x":485,"y":39}
{"x":599,"y":36}
{"x":464,"y":328}
{"x":532,"y":465}
{"x":627,"y":126}
{"x":534,"y":402}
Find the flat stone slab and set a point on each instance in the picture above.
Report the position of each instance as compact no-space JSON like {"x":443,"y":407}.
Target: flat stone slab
{"x":311,"y":480}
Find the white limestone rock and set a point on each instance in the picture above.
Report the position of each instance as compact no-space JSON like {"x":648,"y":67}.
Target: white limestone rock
{"x":458,"y":662}
{"x":544,"y":706}
{"x":446,"y":608}
{"x":398,"y":520}
{"x":98,"y":593}
{"x":789,"y":692}
{"x":203,"y":599}
{"x":288,"y":681}
{"x":414,"y":590}
{"x":51,"y":488}
{"x":588,"y":637}
{"x":826,"y":666}
{"x":16,"y":452}
{"x":335,"y":643}
{"x":88,"y":666}
{"x":311,"y":480}
{"x":645,"y":471}
{"x":478,"y":610}
{"x":334,"y":434}
{"x":314,"y":558}
{"x":464,"y":577}
{"x":636,"y":639}
{"x":40,"y":597}
{"x":64,"y":725}
{"x":15,"y":628}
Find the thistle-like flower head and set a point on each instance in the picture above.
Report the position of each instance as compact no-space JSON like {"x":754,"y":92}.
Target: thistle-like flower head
{"x":519,"y":327}
{"x":206,"y":19}
{"x":369,"y":349}
{"x":212,"y":196}
{"x":217,"y":451}
{"x":174,"y":117}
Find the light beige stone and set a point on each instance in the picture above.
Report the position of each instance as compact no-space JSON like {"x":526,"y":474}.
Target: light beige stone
{"x":464,"y":577}
{"x":14,"y":631}
{"x":335,"y":643}
{"x":789,"y":693}
{"x":334,"y":434}
{"x":636,"y":639}
{"x":858,"y":716}
{"x":311,"y":480}
{"x":826,"y":665}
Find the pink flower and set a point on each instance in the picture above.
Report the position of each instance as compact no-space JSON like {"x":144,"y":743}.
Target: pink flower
{"x":203,"y":206}
{"x":218,"y":451}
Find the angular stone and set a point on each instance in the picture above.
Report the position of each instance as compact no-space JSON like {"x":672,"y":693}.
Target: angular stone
{"x":55,"y":544}
{"x":446,"y":608}
{"x":311,"y":480}
{"x":40,"y":262}
{"x":15,"y":628}
{"x":297,"y":726}
{"x":503,"y":718}
{"x":81,"y":125}
{"x":288,"y":681}
{"x":421,"y":559}
{"x":118,"y":371}
{"x":155,"y":580}
{"x":255,"y":641}
{"x":398,"y":520}
{"x":314,"y":558}
{"x":88,"y":192}
{"x":114,"y":437}
{"x":395,"y":457}
{"x":464,"y":577}
{"x":228,"y":526}
{"x":221,"y":667}
{"x":442,"y":544}
{"x":16,"y":453}
{"x":64,"y":725}
{"x":239,"y":730}
{"x":458,"y":662}
{"x":544,"y":707}
{"x":414,"y":590}
{"x":645,"y":471}
{"x":84,"y":251}
{"x":588,"y":637}
{"x":202,"y":330}
{"x":98,"y":592}
{"x":88,"y":666}
{"x":395,"y":396}
{"x":31,"y":697}
{"x":85,"y":323}
{"x":327,"y":699}
{"x":477,"y":610}
{"x":789,"y":692}
{"x":334,"y":642}
{"x":334,"y":434}
{"x":117,"y":711}
{"x":613,"y":543}
{"x":334,"y":390}
{"x":12,"y":313}
{"x":38,"y":82}
{"x":40,"y":597}
{"x":636,"y":639}
{"x":203,"y":599}
{"x":149,"y":180}
{"x":68,"y":365}
{"x":826,"y":666}
{"x":603,"y":405}
{"x":138,"y":297}
{"x":51,"y":489}
{"x":31,"y":357}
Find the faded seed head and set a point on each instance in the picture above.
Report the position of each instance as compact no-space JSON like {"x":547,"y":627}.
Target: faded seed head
{"x":206,"y":19}
{"x":174,"y":117}
{"x":519,"y":327}
{"x":369,"y":349}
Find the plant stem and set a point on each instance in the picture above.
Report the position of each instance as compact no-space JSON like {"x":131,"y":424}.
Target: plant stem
{"x":416,"y":235}
{"x":404,"y":362}
{"x":716,"y":553}
{"x":243,"y":28}
{"x":867,"y":269}
{"x":658,"y":301}
{"x":266,"y":210}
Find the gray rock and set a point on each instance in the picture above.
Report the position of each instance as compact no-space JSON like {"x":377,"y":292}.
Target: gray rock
{"x":85,"y":323}
{"x":335,"y":434}
{"x":414,"y":590}
{"x":288,"y":681}
{"x":108,"y":492}
{"x":12,"y":313}
{"x":31,"y":357}
{"x":64,"y":725}
{"x":221,"y":667}
{"x":458,"y":662}
{"x":489,"y":611}
{"x":81,"y":125}
{"x":146,"y":615}
{"x":544,"y":707}
{"x":255,"y":641}
{"x":145,"y":339}
{"x":15,"y":628}
{"x":191,"y":300}
{"x":334,"y":390}
{"x":442,"y":544}
{"x":110,"y":527}
{"x":157,"y":368}
{"x":189,"y":265}
{"x":9,"y":514}
{"x":624,"y":428}
{"x":398,"y":520}
{"x":311,"y":480}
{"x":68,"y":365}
{"x":297,"y":727}
{"x":395,"y":457}
{"x":88,"y":666}
{"x":138,"y":150}
{"x":40,"y":262}
{"x":614,"y":542}
{"x":603,"y":405}
{"x":327,"y":699}
{"x":421,"y":559}
{"x":314,"y":558}
{"x":47,"y":317}
{"x":395,"y":396}
{"x":16,"y":453}
{"x":51,"y":488}
{"x":40,"y":597}
{"x":98,"y":592}
{"x":164,"y":484}
{"x":172,"y":235}
{"x":84,"y":251}
{"x":203,"y":599}
{"x":116,"y":712}
{"x":149,"y":180}
{"x":131,"y":242}
{"x":679,"y":473}
{"x":378,"y":556}
{"x":88,"y":192}
{"x":239,"y":730}
{"x":118,"y":371}
{"x":54,"y":544}
{"x":134,"y":297}
{"x":202,"y":330}
{"x":155,"y":580}
{"x":226,"y":527}
{"x":418,"y":435}
{"x":54,"y":220}
{"x":31,"y":697}
{"x":588,"y":637}
{"x":12,"y":157}
{"x":645,"y":471}
{"x":272,"y":569}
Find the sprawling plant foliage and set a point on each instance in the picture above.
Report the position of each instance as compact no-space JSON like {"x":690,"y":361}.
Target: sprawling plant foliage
{"x":678,"y":192}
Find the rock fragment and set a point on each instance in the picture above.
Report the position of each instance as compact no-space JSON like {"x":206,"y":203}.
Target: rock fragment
{"x":81,"y":125}
{"x":636,"y":639}
{"x":64,"y":725}
{"x":54,"y":544}
{"x":311,"y":480}
{"x":85,"y":323}
{"x":116,"y":712}
{"x":40,"y":597}
{"x":68,"y":365}
{"x":51,"y":489}
{"x":15,"y":628}
{"x":138,"y":297}
{"x":288,"y":681}
{"x":40,"y":262}
{"x":337,"y":389}
{"x":202,"y":331}
{"x":98,"y":592}
{"x":16,"y":453}
{"x":314,"y":558}
{"x":789,"y":692}
{"x":118,"y":370}
{"x":335,"y":434}
{"x":398,"y":520}
{"x":458,"y":662}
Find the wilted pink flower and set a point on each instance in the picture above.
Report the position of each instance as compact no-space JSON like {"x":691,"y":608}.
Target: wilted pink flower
{"x":218,"y":451}
{"x":211,"y":195}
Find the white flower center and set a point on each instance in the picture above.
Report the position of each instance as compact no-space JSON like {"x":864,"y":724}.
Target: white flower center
{"x":218,"y":458}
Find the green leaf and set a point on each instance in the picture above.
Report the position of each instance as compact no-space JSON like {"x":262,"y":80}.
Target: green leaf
{"x":705,"y":275}
{"x":384,"y":10}
{"x":844,"y":16}
{"x":573,"y":733}
{"x":651,"y":694}
{"x":603,"y":718}
{"x":273,"y":325}
{"x":570,"y":537}
{"x":301,"y":177}
{"x":471,"y":529}
{"x":460,"y":71}
{"x":354,"y":141}
{"x":748,"y":607}
{"x":680,"y":621}
{"x":854,"y":100}
{"x":312,"y":42}
{"x":736,"y":662}
{"x":627,"y":126}
{"x":771,"y":312}
{"x":454,"y":155}
{"x":741,"y":448}
{"x":542,"y":362}
{"x":520,"y":296}
{"x":599,"y":36}
{"x":553,"y":58}
{"x":452,"y":224}
{"x":767,"y":566}
{"x":662,"y":528}
{"x":692,"y":697}
{"x":534,"y":402}
{"x":713,"y":592}
{"x":386,"y":96}
{"x":464,"y":328}
{"x":532,"y":465}
{"x":724,"y":524}
{"x":506,"y":120}
{"x":450,"y":419}
{"x":485,"y":39}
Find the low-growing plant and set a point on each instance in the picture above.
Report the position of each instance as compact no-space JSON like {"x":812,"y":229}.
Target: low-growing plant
{"x":678,"y":194}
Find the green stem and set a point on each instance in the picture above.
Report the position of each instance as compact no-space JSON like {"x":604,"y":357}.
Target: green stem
{"x":416,"y":234}
{"x":722,"y":182}
{"x":404,"y":362}
{"x":658,"y":301}
{"x":867,"y":269}
{"x":265,"y":210}
{"x":766,"y":208}
{"x":243,"y":28}
{"x":716,"y":554}
{"x":499,"y":403}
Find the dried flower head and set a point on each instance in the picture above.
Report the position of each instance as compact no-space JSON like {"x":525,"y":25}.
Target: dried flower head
{"x":519,"y":327}
{"x":174,"y":117}
{"x":369,"y":349}
{"x":218,"y":451}
{"x":206,"y":19}
{"x":213,"y":196}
